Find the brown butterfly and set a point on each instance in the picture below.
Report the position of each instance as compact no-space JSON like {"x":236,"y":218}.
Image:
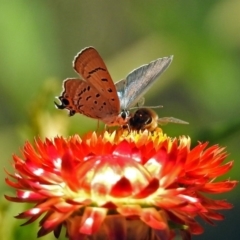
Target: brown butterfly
{"x":94,"y":93}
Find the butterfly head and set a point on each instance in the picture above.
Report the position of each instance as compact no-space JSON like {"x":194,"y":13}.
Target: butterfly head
{"x":65,"y":104}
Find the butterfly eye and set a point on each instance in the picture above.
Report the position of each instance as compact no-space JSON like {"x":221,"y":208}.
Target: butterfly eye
{"x":65,"y":102}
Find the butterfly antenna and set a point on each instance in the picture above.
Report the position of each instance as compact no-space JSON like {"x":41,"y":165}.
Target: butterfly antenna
{"x":137,"y":107}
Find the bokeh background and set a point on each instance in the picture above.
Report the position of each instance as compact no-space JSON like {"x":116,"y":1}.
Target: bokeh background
{"x":39,"y":39}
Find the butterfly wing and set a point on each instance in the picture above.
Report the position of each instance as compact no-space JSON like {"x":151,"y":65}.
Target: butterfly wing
{"x":79,"y":96}
{"x":165,"y":120}
{"x":89,"y":64}
{"x":138,"y":82}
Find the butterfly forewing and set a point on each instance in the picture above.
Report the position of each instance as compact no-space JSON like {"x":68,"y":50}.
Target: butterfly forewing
{"x":89,"y":64}
{"x":138,"y":82}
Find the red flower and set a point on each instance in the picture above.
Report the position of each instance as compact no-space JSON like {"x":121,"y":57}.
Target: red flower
{"x":120,"y":186}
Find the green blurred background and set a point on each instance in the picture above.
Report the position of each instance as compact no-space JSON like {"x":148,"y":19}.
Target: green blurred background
{"x":39,"y":40}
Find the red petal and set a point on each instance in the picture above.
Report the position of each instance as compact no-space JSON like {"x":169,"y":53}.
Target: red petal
{"x":12,"y":184}
{"x":195,"y":228}
{"x":64,"y":207}
{"x":149,"y":189}
{"x":123,"y":149}
{"x":92,"y":220}
{"x":153,"y":219}
{"x":121,"y":188}
{"x":15,"y":199}
{"x":219,"y":187}
{"x":130,"y":210}
{"x":69,"y":170}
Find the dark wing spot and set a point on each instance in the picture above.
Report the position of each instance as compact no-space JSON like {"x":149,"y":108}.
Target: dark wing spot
{"x":97,"y":95}
{"x":88,"y":88}
{"x":110,"y":90}
{"x":104,"y":103}
{"x":104,"y":80}
{"x":87,"y":98}
{"x":95,"y":102}
{"x":79,"y":106}
{"x":95,"y":70}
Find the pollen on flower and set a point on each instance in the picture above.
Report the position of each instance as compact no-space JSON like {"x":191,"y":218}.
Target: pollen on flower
{"x":105,"y":184}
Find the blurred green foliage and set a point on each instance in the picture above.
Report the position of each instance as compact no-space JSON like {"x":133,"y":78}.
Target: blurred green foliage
{"x":40,"y":38}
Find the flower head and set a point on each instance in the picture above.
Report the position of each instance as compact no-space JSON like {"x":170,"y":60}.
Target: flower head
{"x":107,"y":185}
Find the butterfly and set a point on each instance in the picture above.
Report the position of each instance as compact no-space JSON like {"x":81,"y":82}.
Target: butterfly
{"x":147,"y":118}
{"x":95,"y":95}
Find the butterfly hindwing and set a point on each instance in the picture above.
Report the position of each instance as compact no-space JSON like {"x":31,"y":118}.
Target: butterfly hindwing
{"x":80,"y":97}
